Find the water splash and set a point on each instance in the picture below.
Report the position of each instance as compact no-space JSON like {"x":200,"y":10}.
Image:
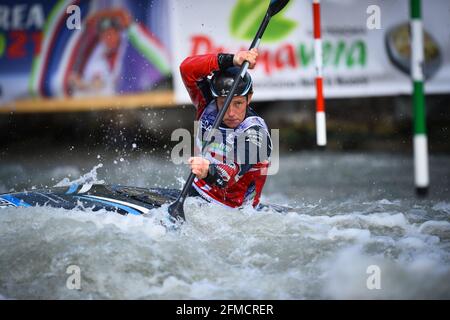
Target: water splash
{"x":322,"y":250}
{"x":90,"y":177}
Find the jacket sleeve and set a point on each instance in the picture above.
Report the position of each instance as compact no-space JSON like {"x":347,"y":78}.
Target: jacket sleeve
{"x":222,"y":175}
{"x":255,"y":147}
{"x":194,"y":71}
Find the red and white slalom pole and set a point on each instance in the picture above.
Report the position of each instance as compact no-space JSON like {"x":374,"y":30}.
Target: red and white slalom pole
{"x":321,"y":129}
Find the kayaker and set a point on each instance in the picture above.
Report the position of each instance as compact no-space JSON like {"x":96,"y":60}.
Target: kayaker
{"x":228,"y":172}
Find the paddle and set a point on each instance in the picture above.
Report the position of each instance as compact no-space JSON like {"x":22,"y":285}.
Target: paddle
{"x":176,"y":210}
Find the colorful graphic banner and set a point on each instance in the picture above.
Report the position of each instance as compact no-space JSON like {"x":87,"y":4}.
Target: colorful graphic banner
{"x":358,"y":61}
{"x":118,"y":47}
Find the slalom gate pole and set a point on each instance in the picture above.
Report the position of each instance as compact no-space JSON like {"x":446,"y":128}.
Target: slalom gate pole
{"x":321,"y":131}
{"x":421,"y":171}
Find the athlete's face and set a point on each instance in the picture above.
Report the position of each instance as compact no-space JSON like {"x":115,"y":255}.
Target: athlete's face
{"x":236,"y":111}
{"x":111,"y":38}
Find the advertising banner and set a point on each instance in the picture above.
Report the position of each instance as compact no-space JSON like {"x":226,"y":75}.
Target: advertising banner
{"x":366,"y":45}
{"x":120,"y":52}
{"x":72,"y":49}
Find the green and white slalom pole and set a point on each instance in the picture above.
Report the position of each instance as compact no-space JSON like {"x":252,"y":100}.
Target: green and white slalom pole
{"x":421,"y":171}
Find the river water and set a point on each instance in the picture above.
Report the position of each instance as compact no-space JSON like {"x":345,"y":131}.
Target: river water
{"x":357,"y":232}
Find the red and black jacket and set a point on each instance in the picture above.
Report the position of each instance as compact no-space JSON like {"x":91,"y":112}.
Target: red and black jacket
{"x":240,"y":181}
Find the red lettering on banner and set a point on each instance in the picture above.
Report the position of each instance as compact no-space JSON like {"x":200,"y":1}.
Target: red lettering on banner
{"x":17,"y":47}
{"x":264,"y":58}
{"x":282,"y":57}
{"x":285,"y":56}
{"x":200,"y":42}
{"x":36,"y":37}
{"x":203,"y":45}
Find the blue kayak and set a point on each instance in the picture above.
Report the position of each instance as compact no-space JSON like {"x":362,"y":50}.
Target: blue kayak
{"x":115,"y":198}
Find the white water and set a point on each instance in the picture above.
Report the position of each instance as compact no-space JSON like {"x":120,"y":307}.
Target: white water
{"x":352,"y":212}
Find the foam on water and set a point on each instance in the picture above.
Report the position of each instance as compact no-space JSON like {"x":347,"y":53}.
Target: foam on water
{"x":90,"y":177}
{"x":323,"y":249}
{"x":442,"y":206}
{"x":219,"y":253}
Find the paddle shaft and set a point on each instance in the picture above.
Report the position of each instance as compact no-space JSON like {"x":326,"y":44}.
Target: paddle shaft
{"x":176,"y":209}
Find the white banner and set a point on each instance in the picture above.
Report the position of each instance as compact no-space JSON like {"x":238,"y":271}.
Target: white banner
{"x":359,"y":59}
